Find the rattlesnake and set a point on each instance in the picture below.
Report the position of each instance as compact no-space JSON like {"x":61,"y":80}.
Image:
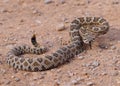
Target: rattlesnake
{"x":83,"y":30}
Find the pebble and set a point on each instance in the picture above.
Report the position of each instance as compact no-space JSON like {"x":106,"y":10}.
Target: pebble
{"x":25,"y":74}
{"x":43,"y":73}
{"x":38,"y":21}
{"x":35,"y":78}
{"x":81,"y":57}
{"x":12,"y":76}
{"x":76,"y":81}
{"x":90,"y":84}
{"x":48,"y":1}
{"x":3,"y":10}
{"x":62,"y":1}
{"x":59,"y":70}
{"x":41,"y":77}
{"x":57,"y":83}
{"x":7,"y":82}
{"x":103,"y":46}
{"x":61,"y":27}
{"x":81,"y":3}
{"x":66,"y":20}
{"x":95,"y":64}
{"x":17,"y":79}
{"x":88,"y":1}
{"x":37,"y":12}
{"x":113,"y":47}
{"x":2,"y":71}
{"x":104,"y":73}
{"x":70,"y":74}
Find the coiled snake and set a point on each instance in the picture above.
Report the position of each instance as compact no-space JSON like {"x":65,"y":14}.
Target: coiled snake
{"x":82,"y":30}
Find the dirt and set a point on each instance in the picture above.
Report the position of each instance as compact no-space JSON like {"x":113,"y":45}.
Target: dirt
{"x":20,"y":19}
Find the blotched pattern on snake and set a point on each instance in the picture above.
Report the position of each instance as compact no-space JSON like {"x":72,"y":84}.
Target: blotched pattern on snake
{"x":82,"y":30}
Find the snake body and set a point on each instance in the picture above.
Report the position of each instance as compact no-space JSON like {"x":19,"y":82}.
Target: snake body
{"x":82,"y":30}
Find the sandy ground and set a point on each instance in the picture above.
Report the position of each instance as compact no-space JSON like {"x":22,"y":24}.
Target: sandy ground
{"x":99,"y":66}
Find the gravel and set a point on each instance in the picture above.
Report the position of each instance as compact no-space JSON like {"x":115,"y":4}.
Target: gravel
{"x":92,"y":65}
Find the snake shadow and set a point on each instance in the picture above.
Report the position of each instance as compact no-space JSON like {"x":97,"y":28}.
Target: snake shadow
{"x":112,"y":36}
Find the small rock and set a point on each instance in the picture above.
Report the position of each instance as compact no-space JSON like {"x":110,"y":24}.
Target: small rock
{"x":3,"y":10}
{"x":104,"y":73}
{"x":2,"y":71}
{"x":113,"y":47}
{"x":76,"y":81}
{"x":66,"y":20}
{"x":103,"y":46}
{"x":70,"y":74}
{"x":81,"y":3}
{"x":17,"y":79}
{"x":92,"y":65}
{"x":59,"y":70}
{"x":41,"y":77}
{"x":37,"y":12}
{"x":7,"y":82}
{"x":38,"y":21}
{"x":95,"y":64}
{"x":57,"y":83}
{"x":62,"y":1}
{"x":12,"y":76}
{"x":88,"y":1}
{"x":48,"y":1}
{"x":61,"y":27}
{"x":81,"y":57}
{"x":35,"y":78}
{"x":25,"y":74}
{"x":43,"y":73}
{"x":90,"y":84}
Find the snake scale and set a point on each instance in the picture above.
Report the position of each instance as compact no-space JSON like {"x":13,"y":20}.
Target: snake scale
{"x":83,"y":30}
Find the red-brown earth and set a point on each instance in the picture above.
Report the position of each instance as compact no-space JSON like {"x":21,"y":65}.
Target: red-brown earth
{"x":20,"y":19}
